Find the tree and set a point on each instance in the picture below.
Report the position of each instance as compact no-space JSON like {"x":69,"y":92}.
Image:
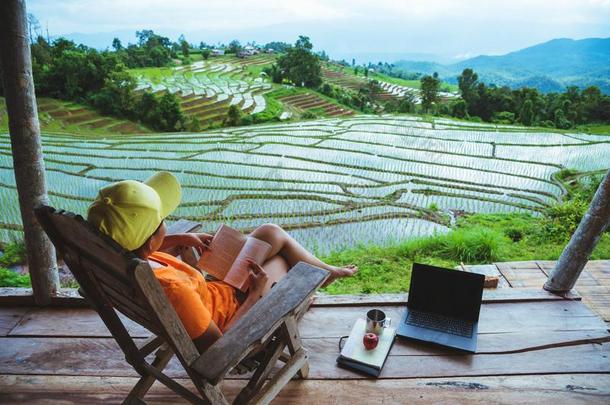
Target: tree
{"x":116,"y":44}
{"x":300,"y":65}
{"x":33,"y":27}
{"x":277,"y":46}
{"x":303,"y":42}
{"x":560,"y":120}
{"x":429,"y":91}
{"x":117,"y":96}
{"x":205,"y":53}
{"x":467,"y":82}
{"x":170,"y":115}
{"x":459,"y":109}
{"x":234,"y":47}
{"x":407,"y":103}
{"x":526,"y":115}
{"x":234,"y":116}
{"x":184,"y":47}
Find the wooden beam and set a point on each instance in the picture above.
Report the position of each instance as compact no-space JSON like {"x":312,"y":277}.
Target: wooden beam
{"x":24,"y":130}
{"x":581,"y":245}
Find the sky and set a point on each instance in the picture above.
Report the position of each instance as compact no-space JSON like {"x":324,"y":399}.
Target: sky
{"x":441,"y":30}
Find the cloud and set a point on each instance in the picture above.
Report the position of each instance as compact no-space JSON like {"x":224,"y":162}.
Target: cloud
{"x":435,"y":26}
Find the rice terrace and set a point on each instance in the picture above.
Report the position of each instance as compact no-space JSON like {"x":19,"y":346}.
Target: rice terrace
{"x":343,"y":181}
{"x":328,"y":203}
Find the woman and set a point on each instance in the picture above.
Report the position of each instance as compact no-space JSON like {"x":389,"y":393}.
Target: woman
{"x":133,"y":214}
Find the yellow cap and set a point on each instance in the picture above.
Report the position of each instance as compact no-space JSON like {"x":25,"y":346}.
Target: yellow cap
{"x":130,"y":211}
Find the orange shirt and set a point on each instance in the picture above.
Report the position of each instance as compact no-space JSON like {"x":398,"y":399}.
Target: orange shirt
{"x":196,"y":301}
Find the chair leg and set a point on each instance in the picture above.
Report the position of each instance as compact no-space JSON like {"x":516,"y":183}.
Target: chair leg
{"x":294,"y":343}
{"x":272,"y":353}
{"x":162,"y":357}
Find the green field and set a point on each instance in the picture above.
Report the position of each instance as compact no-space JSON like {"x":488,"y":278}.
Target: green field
{"x":332,"y":183}
{"x":206,"y":89}
{"x":60,"y":116}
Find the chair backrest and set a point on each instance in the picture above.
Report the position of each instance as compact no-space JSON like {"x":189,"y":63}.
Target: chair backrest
{"x":103,"y":269}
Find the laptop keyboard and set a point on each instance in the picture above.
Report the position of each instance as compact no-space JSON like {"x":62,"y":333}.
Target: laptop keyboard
{"x":441,"y":323}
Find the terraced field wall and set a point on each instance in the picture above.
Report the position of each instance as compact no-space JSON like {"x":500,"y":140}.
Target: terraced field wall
{"x":332,"y":183}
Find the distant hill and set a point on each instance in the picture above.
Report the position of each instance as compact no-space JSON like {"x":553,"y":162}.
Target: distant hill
{"x":550,"y":66}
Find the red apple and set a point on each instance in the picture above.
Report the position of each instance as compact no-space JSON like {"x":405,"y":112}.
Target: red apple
{"x":370,"y":341}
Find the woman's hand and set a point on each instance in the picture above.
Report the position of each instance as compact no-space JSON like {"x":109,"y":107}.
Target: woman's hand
{"x":199,"y":241}
{"x":258,"y":280}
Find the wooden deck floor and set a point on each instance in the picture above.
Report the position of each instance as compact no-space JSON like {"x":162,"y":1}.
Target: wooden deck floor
{"x":593,"y":284}
{"x":534,"y":347}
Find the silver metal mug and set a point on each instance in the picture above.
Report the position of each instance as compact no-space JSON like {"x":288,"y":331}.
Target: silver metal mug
{"x":376,"y":321}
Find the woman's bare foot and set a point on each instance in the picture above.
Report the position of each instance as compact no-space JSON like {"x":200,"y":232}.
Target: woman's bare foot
{"x":340,"y":272}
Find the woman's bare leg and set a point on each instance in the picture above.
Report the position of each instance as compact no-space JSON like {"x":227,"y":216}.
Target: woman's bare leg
{"x":284,"y":245}
{"x":276,"y":267}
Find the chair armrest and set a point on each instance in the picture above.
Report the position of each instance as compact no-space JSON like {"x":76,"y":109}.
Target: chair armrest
{"x":257,"y":325}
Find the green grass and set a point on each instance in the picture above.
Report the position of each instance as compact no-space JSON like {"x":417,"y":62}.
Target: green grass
{"x":414,"y":84}
{"x":599,"y":129}
{"x":155,"y":74}
{"x":478,"y":239}
{"x":272,"y":110}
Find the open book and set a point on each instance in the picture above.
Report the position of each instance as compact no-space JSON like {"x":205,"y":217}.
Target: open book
{"x":226,"y":259}
{"x":355,"y":356}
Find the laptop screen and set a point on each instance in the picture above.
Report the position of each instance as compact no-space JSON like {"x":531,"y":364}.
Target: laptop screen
{"x":452,"y":293}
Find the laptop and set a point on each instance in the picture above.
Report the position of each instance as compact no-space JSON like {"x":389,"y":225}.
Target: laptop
{"x":443,"y":307}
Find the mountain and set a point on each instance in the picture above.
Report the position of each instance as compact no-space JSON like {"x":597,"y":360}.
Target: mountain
{"x":550,"y":66}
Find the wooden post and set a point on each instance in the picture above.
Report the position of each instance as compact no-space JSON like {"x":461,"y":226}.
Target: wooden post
{"x":581,"y":245}
{"x":25,"y":142}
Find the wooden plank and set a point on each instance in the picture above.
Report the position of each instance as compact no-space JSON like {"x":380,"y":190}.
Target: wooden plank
{"x":336,"y":320}
{"x":19,"y":296}
{"x":70,"y":322}
{"x":489,"y":295}
{"x":522,"y":274}
{"x":102,"y":356}
{"x":509,"y":274}
{"x":494,"y":318}
{"x":520,"y":265}
{"x":488,"y":270}
{"x":22,"y":296}
{"x":586,"y":358}
{"x":10,"y":317}
{"x":487,"y":343}
{"x":545,"y":389}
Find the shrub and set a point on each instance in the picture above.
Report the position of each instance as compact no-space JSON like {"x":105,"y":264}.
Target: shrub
{"x":14,"y":253}
{"x":476,"y":245}
{"x":514,"y":234}
{"x":9,"y":278}
{"x":459,"y":109}
{"x":504,"y":117}
{"x":561,"y":220}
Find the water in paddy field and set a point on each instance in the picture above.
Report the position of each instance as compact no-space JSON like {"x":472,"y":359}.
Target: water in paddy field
{"x":332,"y":183}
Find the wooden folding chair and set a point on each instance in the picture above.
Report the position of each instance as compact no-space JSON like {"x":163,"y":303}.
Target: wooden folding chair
{"x":113,"y":278}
